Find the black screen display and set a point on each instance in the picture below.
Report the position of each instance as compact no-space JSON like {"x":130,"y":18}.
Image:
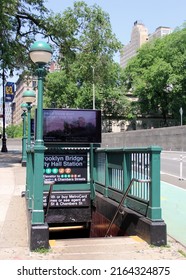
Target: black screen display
{"x":72,"y":125}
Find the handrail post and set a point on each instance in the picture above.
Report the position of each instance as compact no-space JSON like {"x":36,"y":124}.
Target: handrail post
{"x":154,"y":209}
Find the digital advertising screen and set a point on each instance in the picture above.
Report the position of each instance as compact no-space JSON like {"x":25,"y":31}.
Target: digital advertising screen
{"x":72,"y":126}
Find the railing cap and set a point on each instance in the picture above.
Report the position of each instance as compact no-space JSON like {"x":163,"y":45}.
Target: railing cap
{"x":131,"y":149}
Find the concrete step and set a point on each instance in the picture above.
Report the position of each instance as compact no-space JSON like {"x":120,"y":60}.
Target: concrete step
{"x":110,"y":248}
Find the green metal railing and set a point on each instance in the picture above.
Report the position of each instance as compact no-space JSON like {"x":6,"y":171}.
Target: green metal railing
{"x":123,"y":199}
{"x":114,"y":168}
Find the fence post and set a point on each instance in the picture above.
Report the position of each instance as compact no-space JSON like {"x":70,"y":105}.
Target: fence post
{"x":106,"y":174}
{"x":181,"y":168}
{"x":126,"y":171}
{"x":154,"y":209}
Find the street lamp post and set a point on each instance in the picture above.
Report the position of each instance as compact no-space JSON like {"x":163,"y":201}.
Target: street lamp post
{"x":29,"y":98}
{"x":24,"y":108}
{"x":4,"y":147}
{"x":93,"y":88}
{"x":40,"y":53}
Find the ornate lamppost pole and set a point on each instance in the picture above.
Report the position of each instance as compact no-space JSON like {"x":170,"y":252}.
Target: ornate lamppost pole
{"x":93,"y":88}
{"x":40,"y":53}
{"x":24,"y":108}
{"x":28,"y":97}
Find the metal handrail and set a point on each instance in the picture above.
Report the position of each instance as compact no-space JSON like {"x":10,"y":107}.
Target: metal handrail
{"x":123,"y":198}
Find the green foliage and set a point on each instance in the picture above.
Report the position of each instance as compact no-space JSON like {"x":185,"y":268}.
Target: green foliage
{"x":20,"y":21}
{"x":86,"y":46}
{"x":157,"y":76}
{"x":41,"y":250}
{"x":14,"y":131}
{"x":82,"y":29}
{"x":82,"y":40}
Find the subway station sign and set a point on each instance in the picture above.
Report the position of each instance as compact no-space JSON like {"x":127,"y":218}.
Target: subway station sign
{"x":66,"y":168}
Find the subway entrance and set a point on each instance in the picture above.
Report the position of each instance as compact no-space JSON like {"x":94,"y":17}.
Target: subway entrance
{"x":70,"y":139}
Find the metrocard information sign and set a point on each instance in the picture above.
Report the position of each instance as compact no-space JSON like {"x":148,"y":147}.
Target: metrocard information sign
{"x":66,"y":168}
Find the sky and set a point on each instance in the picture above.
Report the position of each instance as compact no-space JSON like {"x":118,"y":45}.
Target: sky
{"x":123,"y":14}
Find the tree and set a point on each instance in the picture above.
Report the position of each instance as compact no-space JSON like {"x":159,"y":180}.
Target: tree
{"x":157,"y":75}
{"x":21,"y":21}
{"x":86,"y":47}
{"x":14,"y":131}
{"x":82,"y":39}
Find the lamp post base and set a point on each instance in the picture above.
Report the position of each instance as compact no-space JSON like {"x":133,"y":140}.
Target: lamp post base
{"x":4,"y":148}
{"x":39,"y":237}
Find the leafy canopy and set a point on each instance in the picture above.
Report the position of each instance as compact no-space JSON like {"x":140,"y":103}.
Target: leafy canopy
{"x":20,"y":21}
{"x":86,"y":46}
{"x":157,"y":76}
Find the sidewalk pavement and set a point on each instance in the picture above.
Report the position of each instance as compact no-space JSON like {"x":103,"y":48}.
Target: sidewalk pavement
{"x":14,"y":233}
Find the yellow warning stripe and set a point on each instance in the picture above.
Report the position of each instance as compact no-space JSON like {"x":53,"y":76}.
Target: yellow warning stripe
{"x":136,"y":238}
{"x":52,"y":243}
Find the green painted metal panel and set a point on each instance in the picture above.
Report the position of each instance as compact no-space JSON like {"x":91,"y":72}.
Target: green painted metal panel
{"x":138,"y":206}
{"x":124,"y":164}
{"x":68,"y":187}
{"x":100,"y":188}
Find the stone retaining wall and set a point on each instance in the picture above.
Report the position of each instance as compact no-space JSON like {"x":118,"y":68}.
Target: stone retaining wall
{"x":169,"y":138}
